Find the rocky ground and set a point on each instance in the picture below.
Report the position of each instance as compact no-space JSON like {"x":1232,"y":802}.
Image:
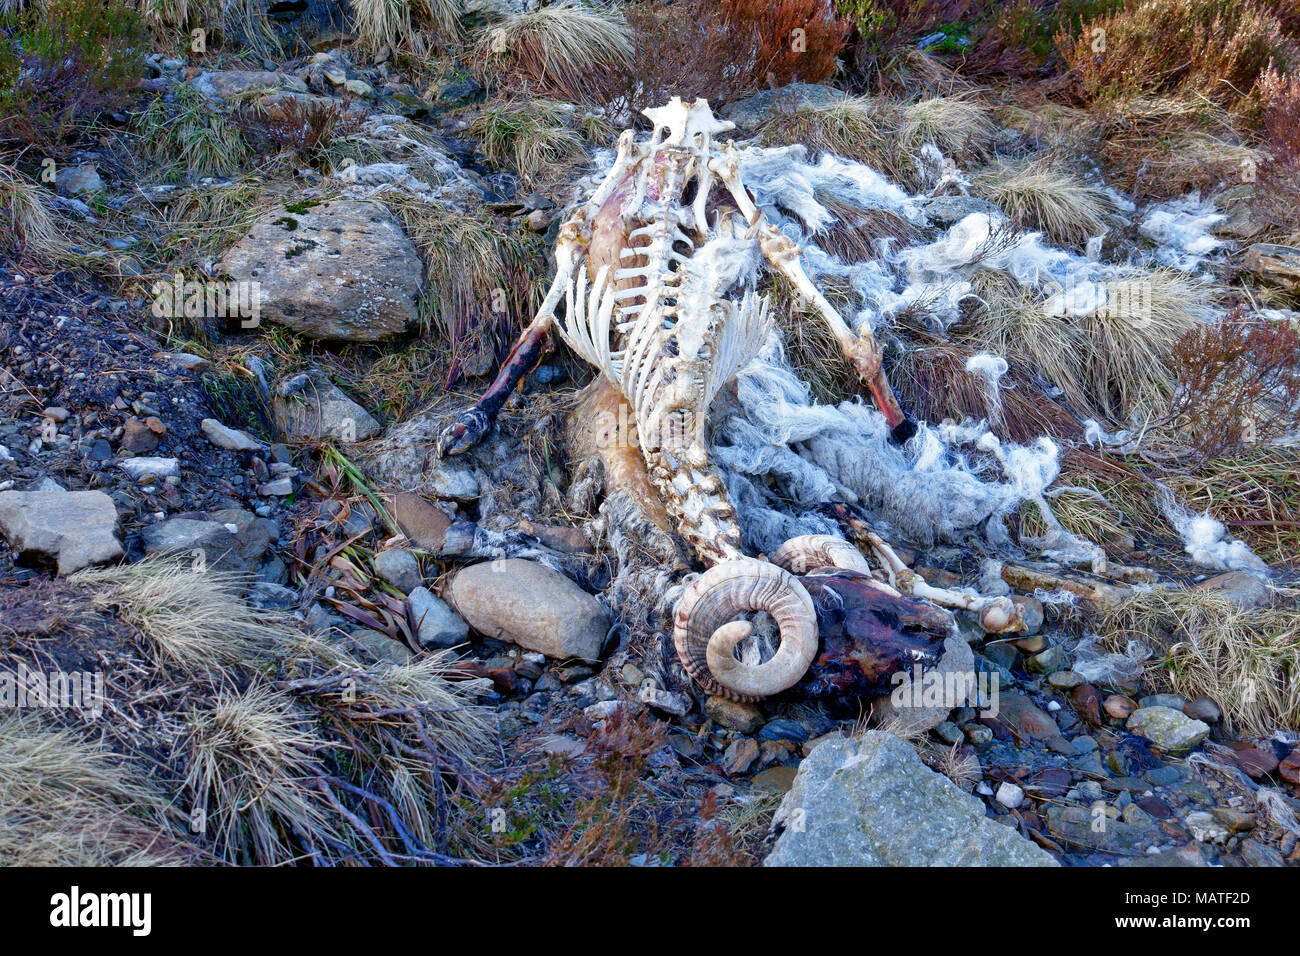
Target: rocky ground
{"x":282,"y":451}
{"x":97,"y":410}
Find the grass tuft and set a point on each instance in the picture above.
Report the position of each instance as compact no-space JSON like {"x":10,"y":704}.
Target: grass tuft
{"x":64,"y":802}
{"x":193,"y":618}
{"x":1248,"y":662}
{"x":569,"y":51}
{"x":1043,"y":194}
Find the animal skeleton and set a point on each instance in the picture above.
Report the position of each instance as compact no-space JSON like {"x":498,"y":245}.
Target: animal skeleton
{"x":658,"y":271}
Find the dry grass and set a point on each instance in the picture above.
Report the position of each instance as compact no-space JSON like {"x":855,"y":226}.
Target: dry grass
{"x":1044,"y":194}
{"x":190,"y":139}
{"x":412,"y":26}
{"x":193,"y":619}
{"x":1159,"y":146}
{"x":27,"y":219}
{"x":856,"y":128}
{"x":64,"y":802}
{"x":475,"y":270}
{"x":1084,"y":512}
{"x":959,"y":125}
{"x":1108,"y":363}
{"x":884,"y":134}
{"x":957,"y":763}
{"x":1014,"y":324}
{"x":809,"y":346}
{"x":282,"y":747}
{"x":1256,"y":494}
{"x":254,"y":759}
{"x":531,"y":135}
{"x":1132,"y":339}
{"x":861,"y":128}
{"x":1248,"y":662}
{"x":570,"y":51}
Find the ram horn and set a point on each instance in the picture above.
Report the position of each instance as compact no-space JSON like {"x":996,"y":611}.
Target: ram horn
{"x":706,"y":635}
{"x":808,"y":552}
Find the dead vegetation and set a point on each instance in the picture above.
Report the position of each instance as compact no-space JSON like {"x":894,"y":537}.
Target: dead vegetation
{"x":1247,"y":662}
{"x":483,"y":282}
{"x":1188,"y":46}
{"x":1043,"y":194}
{"x":28,"y":223}
{"x":65,"y":802}
{"x":283,"y":747}
{"x":569,"y":50}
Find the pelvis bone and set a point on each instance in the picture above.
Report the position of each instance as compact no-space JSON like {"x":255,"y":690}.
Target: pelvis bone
{"x":658,"y":274}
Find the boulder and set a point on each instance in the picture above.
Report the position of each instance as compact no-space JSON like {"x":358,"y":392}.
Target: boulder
{"x":528,"y":604}
{"x":231,"y":540}
{"x":1276,"y":265}
{"x":1170,"y":730}
{"x":870,"y":801}
{"x":341,"y":271}
{"x":72,"y":529}
{"x":1242,"y":588}
{"x":228,"y":84}
{"x":321,"y":410}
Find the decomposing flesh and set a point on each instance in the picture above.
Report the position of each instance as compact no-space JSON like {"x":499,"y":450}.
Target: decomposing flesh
{"x":658,"y":274}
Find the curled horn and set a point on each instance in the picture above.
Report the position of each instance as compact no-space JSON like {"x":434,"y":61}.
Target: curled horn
{"x":706,"y":637}
{"x":810,"y":551}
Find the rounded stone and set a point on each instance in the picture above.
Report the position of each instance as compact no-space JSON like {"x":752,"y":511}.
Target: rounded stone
{"x":528,"y":604}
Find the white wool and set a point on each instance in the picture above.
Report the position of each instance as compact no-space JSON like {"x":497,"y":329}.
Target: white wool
{"x":1277,"y":810}
{"x":781,"y":178}
{"x":782,"y":455}
{"x":990,"y":368}
{"x":1081,"y":298}
{"x":1094,"y":434}
{"x":1057,"y":597}
{"x":1106,"y":667}
{"x":991,"y":582}
{"x":368,"y":181}
{"x":1206,"y":540}
{"x":1181,"y":231}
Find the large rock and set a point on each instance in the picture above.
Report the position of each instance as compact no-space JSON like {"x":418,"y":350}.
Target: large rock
{"x":528,"y":604}
{"x":230,"y":540}
{"x":73,"y":529}
{"x":228,"y":84}
{"x":344,"y":270}
{"x":870,"y":801}
{"x":1168,"y":729}
{"x":1277,"y":265}
{"x":1240,"y":587}
{"x":321,"y":410}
